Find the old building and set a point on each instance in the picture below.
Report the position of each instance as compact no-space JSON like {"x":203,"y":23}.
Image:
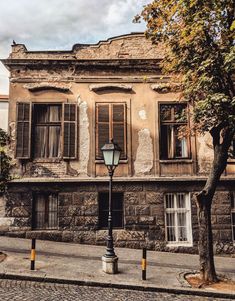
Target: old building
{"x":64,"y":105}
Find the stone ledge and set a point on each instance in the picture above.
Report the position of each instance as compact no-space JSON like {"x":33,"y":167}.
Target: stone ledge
{"x":116,"y":179}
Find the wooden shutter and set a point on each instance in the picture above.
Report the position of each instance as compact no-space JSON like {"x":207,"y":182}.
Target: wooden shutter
{"x":102,"y":127}
{"x":70,"y":131}
{"x":23,"y":131}
{"x":119,"y":127}
{"x":111,"y":124}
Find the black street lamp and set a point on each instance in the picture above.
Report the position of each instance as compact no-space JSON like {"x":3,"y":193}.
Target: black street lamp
{"x":111,"y":153}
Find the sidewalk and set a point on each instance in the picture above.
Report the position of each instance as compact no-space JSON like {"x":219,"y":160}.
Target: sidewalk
{"x":81,"y":264}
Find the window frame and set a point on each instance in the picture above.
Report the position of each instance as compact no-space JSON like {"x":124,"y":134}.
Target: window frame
{"x":176,"y":210}
{"x":174,"y":124}
{"x":100,"y":211}
{"x":46,"y":196}
{"x":69,"y":127}
{"x":111,"y":122}
{"x":233,"y":212}
{"x":47,"y":125}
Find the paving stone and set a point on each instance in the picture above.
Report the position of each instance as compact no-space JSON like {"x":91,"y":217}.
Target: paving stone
{"x":15,"y":290}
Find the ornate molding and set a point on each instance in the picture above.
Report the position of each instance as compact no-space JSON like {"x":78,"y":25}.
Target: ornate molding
{"x":60,"y":87}
{"x":104,"y":87}
{"x":167,"y":87}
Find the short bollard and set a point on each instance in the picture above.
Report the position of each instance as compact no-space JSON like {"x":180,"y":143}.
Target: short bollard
{"x":33,"y":254}
{"x":144,"y":263}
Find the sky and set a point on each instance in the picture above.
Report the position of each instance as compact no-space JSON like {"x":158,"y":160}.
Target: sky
{"x":59,"y":24}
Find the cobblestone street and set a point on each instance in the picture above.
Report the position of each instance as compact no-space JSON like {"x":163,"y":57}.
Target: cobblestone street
{"x":14,"y":290}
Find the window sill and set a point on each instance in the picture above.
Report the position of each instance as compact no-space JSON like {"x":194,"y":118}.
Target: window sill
{"x":45,"y":229}
{"x":120,"y":162}
{"x":114,"y":229}
{"x":168,"y":161}
{"x":47,"y":160}
{"x":231,"y":160}
{"x":178,"y":244}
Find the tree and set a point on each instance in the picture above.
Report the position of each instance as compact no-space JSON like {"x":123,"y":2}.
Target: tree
{"x":5,"y":160}
{"x":199,"y":36}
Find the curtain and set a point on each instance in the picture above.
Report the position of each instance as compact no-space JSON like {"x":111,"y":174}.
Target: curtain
{"x":54,"y":141}
{"x":40,"y":141}
{"x":47,"y":134}
{"x":170,"y":142}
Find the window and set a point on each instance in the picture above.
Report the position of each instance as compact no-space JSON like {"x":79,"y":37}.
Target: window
{"x":232,"y":149}
{"x":111,"y":124}
{"x":233,"y":216}
{"x":117,"y":212}
{"x":45,"y":211}
{"x":47,"y":131}
{"x":53,"y":128}
{"x":174,"y":143}
{"x":178,"y":218}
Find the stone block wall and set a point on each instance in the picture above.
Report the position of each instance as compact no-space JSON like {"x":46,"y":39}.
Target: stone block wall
{"x":144,"y":217}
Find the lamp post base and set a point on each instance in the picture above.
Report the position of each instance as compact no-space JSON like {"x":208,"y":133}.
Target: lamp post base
{"x":110,"y":264}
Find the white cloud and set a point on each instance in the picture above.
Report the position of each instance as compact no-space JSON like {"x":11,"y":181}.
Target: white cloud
{"x":59,"y":24}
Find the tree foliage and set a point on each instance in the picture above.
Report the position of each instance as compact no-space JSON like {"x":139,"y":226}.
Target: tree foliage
{"x":200,"y":48}
{"x":5,"y":160}
{"x":199,"y":39}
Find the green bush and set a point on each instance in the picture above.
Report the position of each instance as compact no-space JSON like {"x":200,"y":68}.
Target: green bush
{"x":5,"y":160}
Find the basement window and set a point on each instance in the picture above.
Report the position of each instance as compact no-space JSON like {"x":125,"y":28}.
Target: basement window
{"x":45,"y":211}
{"x":174,"y":144}
{"x":233,"y":216}
{"x":117,"y":212}
{"x":178,"y":218}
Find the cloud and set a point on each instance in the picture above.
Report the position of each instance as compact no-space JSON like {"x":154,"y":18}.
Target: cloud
{"x":59,"y":24}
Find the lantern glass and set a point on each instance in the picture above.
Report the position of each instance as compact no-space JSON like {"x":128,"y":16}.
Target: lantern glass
{"x":116,"y":157}
{"x":111,"y":153}
{"x":108,"y":157}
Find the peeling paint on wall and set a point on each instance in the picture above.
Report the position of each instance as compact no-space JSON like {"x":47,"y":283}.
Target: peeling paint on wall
{"x":142,"y":114}
{"x":144,"y":155}
{"x":205,"y":153}
{"x":84,"y":140}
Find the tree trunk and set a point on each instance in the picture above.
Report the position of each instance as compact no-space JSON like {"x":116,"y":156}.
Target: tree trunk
{"x":204,"y":202}
{"x":205,"y":246}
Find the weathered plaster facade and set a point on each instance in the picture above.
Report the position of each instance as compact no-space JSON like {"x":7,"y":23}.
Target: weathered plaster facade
{"x":126,"y":70}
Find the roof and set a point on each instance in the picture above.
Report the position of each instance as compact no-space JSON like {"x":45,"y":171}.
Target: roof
{"x":129,"y":46}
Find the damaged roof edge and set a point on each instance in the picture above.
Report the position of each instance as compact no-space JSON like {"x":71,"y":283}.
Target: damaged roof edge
{"x":23,"y":48}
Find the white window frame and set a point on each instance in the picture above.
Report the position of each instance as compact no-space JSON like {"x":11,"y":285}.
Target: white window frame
{"x":176,"y":210}
{"x":233,"y":212}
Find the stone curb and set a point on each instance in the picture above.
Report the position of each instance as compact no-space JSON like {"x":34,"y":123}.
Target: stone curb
{"x":182,"y":291}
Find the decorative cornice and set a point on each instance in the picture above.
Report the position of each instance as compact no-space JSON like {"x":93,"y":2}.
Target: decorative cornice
{"x":60,"y":87}
{"x":167,"y":87}
{"x":110,"y":86}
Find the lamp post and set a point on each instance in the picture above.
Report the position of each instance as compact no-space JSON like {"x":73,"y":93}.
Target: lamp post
{"x":111,"y":153}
